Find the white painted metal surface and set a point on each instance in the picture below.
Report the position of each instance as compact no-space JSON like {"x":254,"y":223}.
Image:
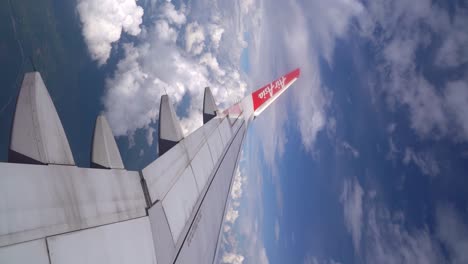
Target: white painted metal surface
{"x":209,"y":127}
{"x":25,"y":253}
{"x":225,"y":131}
{"x":37,"y":131}
{"x":164,"y":245}
{"x":202,"y":166}
{"x":273,"y":98}
{"x":105,"y":151}
{"x":162,"y":173}
{"x":179,"y":202}
{"x":247,"y":108}
{"x":216,"y":145}
{"x":209,"y":106}
{"x":169,"y":128}
{"x":98,"y":215}
{"x":40,"y":200}
{"x":207,"y":223}
{"x":194,"y":141}
{"x":126,"y":242}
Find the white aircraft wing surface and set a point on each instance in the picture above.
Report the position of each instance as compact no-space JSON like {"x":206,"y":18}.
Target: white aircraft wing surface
{"x":169,"y":212}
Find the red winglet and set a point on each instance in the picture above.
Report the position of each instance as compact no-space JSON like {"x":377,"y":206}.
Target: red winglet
{"x":269,"y":91}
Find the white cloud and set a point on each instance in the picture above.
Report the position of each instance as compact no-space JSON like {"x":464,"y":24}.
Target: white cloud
{"x":165,"y":32}
{"x":194,"y":38}
{"x":231,"y":215}
{"x":215,"y":33}
{"x":247,"y":5}
{"x":424,"y":160}
{"x":229,"y":246}
{"x":104,"y":21}
{"x":388,"y":241}
{"x":456,"y":98}
{"x":351,"y":149}
{"x":236,"y":189}
{"x":251,"y":221}
{"x":452,"y":52}
{"x":351,"y":198}
{"x":403,"y":29}
{"x":158,"y":64}
{"x":386,"y":238}
{"x":149,"y":136}
{"x":298,"y":35}
{"x":233,"y":258}
{"x":453,"y":232}
{"x":172,"y":15}
{"x":209,"y":60}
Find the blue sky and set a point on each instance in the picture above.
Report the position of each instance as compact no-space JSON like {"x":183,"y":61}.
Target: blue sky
{"x":383,"y":180}
{"x":363,"y":160}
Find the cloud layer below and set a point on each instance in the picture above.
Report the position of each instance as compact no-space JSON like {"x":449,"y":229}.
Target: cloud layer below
{"x":104,"y":21}
{"x":179,"y":54}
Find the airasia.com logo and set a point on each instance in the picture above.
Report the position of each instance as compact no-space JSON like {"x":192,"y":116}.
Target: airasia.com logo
{"x":272,"y":88}
{"x":265,"y":93}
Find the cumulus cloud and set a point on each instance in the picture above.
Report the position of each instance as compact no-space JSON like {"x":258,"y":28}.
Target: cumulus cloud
{"x":236,"y":189}
{"x":104,"y":21}
{"x":215,"y":33}
{"x":172,"y":15}
{"x":243,"y":223}
{"x":149,"y":136}
{"x":231,"y":252}
{"x":351,"y":198}
{"x":160,"y":63}
{"x":212,"y":63}
{"x":250,"y":223}
{"x":194,"y":38}
{"x":165,"y":32}
{"x":233,"y":258}
{"x":231,"y":215}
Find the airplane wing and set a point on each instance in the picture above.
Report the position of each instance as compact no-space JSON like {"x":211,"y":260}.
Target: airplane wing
{"x":169,"y":212}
